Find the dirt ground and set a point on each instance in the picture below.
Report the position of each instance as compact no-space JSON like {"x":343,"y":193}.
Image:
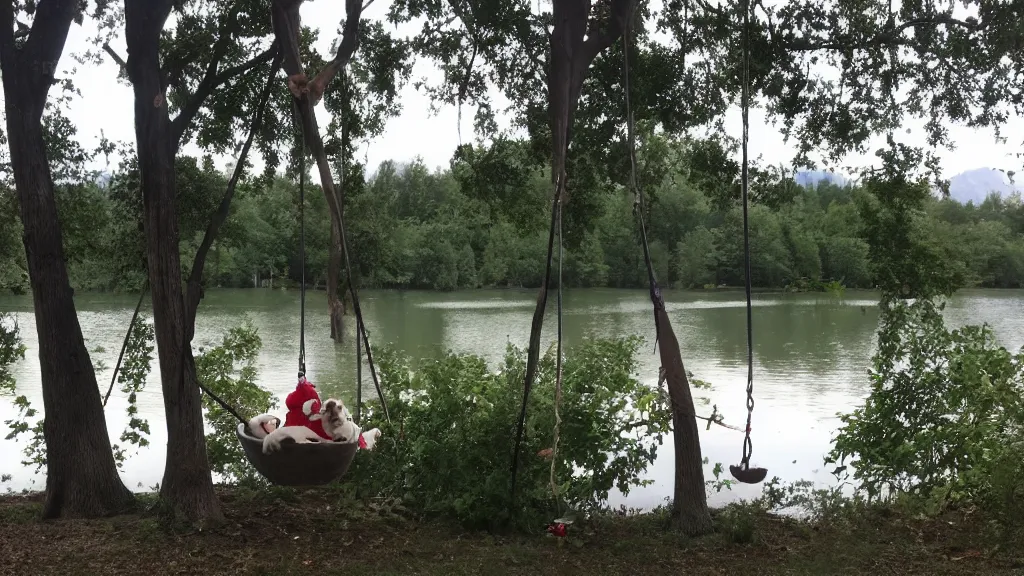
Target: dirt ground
{"x":314,"y":532}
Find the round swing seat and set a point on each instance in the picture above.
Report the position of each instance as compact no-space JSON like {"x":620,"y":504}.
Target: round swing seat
{"x":748,"y":475}
{"x":313,"y":464}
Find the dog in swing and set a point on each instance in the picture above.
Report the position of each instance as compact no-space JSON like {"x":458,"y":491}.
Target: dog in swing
{"x":263,"y":425}
{"x":337,"y":422}
{"x":296,"y":434}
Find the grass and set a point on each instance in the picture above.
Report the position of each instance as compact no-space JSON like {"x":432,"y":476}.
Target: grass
{"x":318,"y":532}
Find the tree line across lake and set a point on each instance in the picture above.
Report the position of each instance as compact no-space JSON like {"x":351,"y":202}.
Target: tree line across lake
{"x":483,"y":222}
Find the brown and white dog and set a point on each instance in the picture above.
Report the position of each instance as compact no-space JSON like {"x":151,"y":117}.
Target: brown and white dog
{"x":337,"y":422}
{"x":297,"y":434}
{"x":262,"y":425}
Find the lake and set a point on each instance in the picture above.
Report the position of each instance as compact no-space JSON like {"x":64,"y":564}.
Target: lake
{"x":811,"y":355}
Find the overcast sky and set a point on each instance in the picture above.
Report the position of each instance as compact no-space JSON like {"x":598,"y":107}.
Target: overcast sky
{"x":108,"y":105}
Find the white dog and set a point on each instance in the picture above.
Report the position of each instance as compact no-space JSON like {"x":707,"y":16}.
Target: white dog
{"x":297,"y":434}
{"x":337,"y":422}
{"x":370,"y":437}
{"x":262,"y":425}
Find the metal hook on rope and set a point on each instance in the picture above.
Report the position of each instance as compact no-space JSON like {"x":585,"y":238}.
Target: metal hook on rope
{"x":743,"y":472}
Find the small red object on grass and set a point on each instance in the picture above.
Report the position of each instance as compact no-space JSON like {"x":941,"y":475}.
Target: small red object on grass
{"x":557,"y":530}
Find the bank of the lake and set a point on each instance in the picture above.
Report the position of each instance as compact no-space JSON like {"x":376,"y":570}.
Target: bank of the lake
{"x":317,"y":531}
{"x":811,"y":354}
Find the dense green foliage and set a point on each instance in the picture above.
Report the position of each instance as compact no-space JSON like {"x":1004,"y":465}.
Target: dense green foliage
{"x":482,"y":223}
{"x":443,"y":458}
{"x":11,"y":350}
{"x":944,"y":420}
{"x":229,"y":371}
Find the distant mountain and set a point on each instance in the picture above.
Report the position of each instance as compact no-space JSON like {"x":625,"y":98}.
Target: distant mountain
{"x":811,"y":178}
{"x":103,"y":178}
{"x":975,"y":185}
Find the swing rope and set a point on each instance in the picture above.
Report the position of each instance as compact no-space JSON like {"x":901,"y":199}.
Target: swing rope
{"x":302,"y":253}
{"x":743,"y":472}
{"x":638,"y":202}
{"x":127,"y":337}
{"x":748,"y":447}
{"x":338,"y":213}
{"x":558,"y":367}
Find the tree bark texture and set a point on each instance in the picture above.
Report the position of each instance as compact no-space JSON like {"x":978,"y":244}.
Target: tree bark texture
{"x":187,"y":486}
{"x":689,"y":499}
{"x":81,"y":475}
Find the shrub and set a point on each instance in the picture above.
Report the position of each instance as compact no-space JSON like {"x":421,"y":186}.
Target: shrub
{"x":448,"y":446}
{"x":229,"y":371}
{"x":944,"y":417}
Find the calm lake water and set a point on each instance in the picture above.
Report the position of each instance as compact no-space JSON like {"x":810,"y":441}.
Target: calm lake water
{"x":811,"y":355}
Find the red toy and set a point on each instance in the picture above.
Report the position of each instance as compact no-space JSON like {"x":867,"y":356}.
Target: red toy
{"x":304,"y":408}
{"x":557,"y":530}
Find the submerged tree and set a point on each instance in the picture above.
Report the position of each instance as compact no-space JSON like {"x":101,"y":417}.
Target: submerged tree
{"x":81,"y":479}
{"x":307,"y":93}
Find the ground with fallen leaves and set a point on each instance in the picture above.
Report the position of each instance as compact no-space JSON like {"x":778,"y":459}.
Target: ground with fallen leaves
{"x":317,"y":532}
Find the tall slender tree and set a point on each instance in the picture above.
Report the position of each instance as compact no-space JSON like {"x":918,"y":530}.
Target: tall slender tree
{"x":81,"y":476}
{"x":151,"y":67}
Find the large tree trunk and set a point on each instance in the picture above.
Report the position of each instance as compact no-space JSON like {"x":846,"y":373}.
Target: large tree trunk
{"x":689,"y":498}
{"x":81,"y":476}
{"x":187,"y":485}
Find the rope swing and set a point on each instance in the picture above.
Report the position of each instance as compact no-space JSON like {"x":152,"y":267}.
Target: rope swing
{"x":743,"y":472}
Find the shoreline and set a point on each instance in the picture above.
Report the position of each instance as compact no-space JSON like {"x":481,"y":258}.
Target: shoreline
{"x":303,"y":531}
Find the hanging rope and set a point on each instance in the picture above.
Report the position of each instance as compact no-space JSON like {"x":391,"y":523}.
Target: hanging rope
{"x":338,"y":213}
{"x":528,"y":382}
{"x":558,"y":368}
{"x":639,"y":209}
{"x":124,"y":346}
{"x":748,"y":446}
{"x":302,"y":252}
{"x":359,"y":378}
{"x":225,"y":205}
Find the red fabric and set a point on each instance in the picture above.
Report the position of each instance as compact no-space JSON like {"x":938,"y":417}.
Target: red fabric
{"x":304,"y":391}
{"x":557,"y":529}
{"x":362,"y":442}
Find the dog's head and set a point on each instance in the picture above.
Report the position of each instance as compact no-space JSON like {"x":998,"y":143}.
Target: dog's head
{"x":261,"y":426}
{"x":333,"y":412}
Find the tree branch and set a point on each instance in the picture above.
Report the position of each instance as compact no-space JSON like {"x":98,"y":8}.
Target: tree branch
{"x":37,"y":61}
{"x":116,"y":57}
{"x":600,"y":37}
{"x":211,"y":79}
{"x":348,"y":46}
{"x":195,"y":101}
{"x":194,"y":290}
{"x":207,"y":86}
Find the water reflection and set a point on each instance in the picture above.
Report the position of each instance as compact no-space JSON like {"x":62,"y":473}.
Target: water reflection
{"x":811,"y":354}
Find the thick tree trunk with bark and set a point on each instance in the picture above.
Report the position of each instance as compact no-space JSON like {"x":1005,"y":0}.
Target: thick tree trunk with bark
{"x":187,"y":486}
{"x":689,"y":499}
{"x":81,"y":476}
